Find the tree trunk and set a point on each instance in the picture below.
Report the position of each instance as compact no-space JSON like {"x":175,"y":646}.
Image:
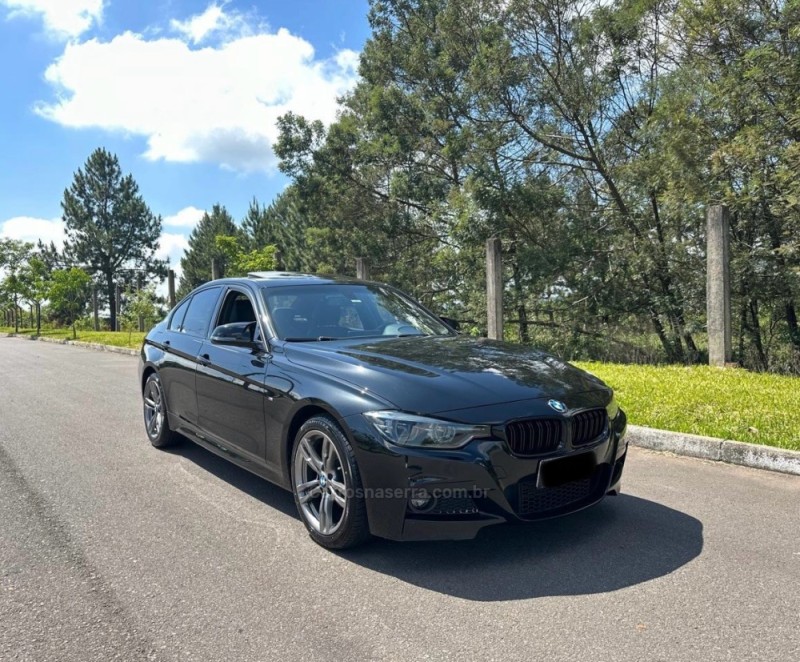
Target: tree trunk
{"x":524,"y":337}
{"x":521,"y":312}
{"x":742,"y":330}
{"x":38,"y":318}
{"x":16,"y":314}
{"x":791,"y":321}
{"x":662,"y":336}
{"x":755,"y":329}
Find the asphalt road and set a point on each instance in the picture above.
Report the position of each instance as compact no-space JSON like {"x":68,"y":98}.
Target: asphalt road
{"x":110,"y":549}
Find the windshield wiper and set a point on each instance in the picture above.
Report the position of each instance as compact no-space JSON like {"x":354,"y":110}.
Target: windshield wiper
{"x":319,"y":338}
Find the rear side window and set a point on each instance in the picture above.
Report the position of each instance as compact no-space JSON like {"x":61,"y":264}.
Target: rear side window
{"x":201,"y":309}
{"x":177,"y":317}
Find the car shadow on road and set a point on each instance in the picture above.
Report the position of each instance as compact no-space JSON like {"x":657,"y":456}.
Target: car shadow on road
{"x":623,"y":541}
{"x":258,"y":488}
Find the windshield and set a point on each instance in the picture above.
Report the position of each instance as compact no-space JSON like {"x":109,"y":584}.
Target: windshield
{"x":330,"y":312}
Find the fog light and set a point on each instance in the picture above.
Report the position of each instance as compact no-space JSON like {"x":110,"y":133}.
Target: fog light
{"x":421,"y":501}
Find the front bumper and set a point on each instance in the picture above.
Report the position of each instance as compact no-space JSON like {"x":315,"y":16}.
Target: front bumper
{"x":475,"y":486}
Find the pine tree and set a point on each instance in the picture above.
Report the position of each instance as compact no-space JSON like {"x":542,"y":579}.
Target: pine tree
{"x":110,"y":230}
{"x":196,"y":262}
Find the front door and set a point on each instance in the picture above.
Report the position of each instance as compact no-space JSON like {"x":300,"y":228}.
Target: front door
{"x":230,"y":384}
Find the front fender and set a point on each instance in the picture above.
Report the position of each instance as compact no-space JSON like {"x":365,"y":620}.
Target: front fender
{"x":296,"y":394}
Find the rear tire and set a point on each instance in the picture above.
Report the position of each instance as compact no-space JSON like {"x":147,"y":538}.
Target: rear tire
{"x":327,"y":486}
{"x":156,"y":421}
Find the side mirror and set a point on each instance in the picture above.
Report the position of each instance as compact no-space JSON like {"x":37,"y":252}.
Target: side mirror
{"x":236,"y":334}
{"x":453,"y":324}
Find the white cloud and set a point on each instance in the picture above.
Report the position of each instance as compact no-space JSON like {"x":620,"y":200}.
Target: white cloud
{"x":216,"y":104}
{"x":26,"y":228}
{"x":64,"y":19}
{"x":172,"y":245}
{"x":213,"y":21}
{"x":187,"y":217}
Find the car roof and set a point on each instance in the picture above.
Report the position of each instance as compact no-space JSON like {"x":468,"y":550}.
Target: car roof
{"x":284,"y":278}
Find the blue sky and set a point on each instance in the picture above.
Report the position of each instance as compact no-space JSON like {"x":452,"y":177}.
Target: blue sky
{"x":185,"y":92}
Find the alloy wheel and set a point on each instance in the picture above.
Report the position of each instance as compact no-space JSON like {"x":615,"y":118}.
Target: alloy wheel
{"x":320,"y":483}
{"x":153,"y":408}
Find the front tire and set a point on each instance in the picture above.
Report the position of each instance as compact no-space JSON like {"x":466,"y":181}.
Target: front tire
{"x":156,"y":422}
{"x":326,"y":485}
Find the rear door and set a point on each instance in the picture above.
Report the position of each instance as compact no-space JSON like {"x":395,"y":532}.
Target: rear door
{"x":186,"y":330}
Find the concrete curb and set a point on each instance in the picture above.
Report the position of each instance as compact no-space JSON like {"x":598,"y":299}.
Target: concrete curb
{"x":77,"y":343}
{"x":719,"y":450}
{"x":679,"y":443}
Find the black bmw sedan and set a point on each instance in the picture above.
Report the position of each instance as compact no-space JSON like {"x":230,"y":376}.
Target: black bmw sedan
{"x":378,"y":416}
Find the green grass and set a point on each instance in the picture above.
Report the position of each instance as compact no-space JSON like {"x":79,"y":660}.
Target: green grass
{"x":116,"y":338}
{"x":728,"y":403}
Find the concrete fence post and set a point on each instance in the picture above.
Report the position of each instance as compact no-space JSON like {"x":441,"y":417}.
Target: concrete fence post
{"x":171,"y":288}
{"x":95,"y":312}
{"x":118,"y":303}
{"x":139,"y":290}
{"x":718,"y":285}
{"x":494,"y":288}
{"x":362,"y":268}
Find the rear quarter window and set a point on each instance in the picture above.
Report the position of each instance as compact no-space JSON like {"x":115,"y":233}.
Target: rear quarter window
{"x":177,"y":317}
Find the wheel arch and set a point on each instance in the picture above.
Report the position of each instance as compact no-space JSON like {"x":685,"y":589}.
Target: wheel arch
{"x":146,"y":372}
{"x":303,"y":412}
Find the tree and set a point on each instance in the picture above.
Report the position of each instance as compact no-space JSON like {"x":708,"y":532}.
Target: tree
{"x":589,"y":137}
{"x":139,"y":304}
{"x":68,"y":292}
{"x":35,"y":282}
{"x":196,"y":262}
{"x":259,"y":225}
{"x":742,"y":58}
{"x":14,"y":255}
{"x":109,"y":226}
{"x":241,"y":261}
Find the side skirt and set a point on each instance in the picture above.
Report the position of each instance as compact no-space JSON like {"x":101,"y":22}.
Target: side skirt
{"x":226,"y":452}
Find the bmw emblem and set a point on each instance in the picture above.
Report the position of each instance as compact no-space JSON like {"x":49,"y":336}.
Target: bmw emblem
{"x":559,"y":406}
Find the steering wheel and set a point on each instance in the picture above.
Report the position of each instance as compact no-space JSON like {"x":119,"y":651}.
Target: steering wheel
{"x":400,"y":329}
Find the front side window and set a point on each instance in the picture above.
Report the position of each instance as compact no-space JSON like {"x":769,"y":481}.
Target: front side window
{"x":313,"y":312}
{"x":238,"y":307}
{"x":201,"y":309}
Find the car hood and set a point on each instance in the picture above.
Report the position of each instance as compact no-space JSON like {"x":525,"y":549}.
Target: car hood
{"x":427,"y":375}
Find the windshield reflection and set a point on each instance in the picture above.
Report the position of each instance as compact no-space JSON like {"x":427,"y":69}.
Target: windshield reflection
{"x":304,"y":313}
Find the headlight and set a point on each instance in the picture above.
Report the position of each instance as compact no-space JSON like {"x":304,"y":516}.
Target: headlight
{"x":411,"y":430}
{"x":612,"y":408}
